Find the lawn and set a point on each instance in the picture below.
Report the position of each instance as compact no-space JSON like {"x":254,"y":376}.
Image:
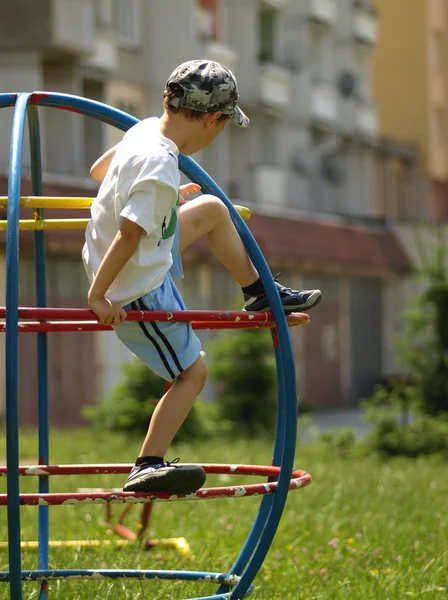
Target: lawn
{"x":364,"y":529}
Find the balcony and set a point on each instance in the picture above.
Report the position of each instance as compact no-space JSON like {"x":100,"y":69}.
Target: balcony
{"x":104,"y":55}
{"x":365,"y":26}
{"x":72,"y":26}
{"x":221,"y":53}
{"x":324,"y":104}
{"x":322,"y":12}
{"x":275,"y":3}
{"x":270,"y":186}
{"x":275,"y":86}
{"x":367,"y":119}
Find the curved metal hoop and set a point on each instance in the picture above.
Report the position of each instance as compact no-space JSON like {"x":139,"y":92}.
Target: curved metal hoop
{"x":260,"y":538}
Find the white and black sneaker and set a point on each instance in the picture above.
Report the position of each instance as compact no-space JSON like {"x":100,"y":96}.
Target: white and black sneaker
{"x":169,"y":477}
{"x":292,"y":300}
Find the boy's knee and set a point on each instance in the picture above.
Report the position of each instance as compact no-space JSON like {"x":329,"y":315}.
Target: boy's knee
{"x":215,"y":206}
{"x":197,"y":372}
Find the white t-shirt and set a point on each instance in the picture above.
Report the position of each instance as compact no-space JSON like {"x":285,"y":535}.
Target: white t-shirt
{"x":142,"y":185}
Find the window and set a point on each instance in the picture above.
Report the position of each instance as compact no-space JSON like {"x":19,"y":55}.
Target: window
{"x":437,"y":52}
{"x":268,"y":141}
{"x":130,"y":107}
{"x":209,"y":20}
{"x":439,"y":126}
{"x":129,"y":98}
{"x":93,"y":128}
{"x":322,"y":59}
{"x":362,"y":74}
{"x":104,"y":16}
{"x":128,"y":22}
{"x":267,"y":33}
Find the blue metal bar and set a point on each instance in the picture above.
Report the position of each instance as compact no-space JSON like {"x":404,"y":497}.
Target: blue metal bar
{"x":42,"y":349}
{"x":267,"y":501}
{"x":96,"y":574}
{"x":222,"y":596}
{"x":268,"y":518}
{"x":8,"y":100}
{"x":287,"y":406}
{"x":285,"y":445}
{"x":12,"y":354}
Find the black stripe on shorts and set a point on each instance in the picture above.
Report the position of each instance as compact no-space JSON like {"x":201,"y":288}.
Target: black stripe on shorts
{"x":163,"y":338}
{"x":154,"y":342}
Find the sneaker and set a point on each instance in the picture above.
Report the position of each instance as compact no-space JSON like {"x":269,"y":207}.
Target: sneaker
{"x":292,"y":300}
{"x":166,"y":477}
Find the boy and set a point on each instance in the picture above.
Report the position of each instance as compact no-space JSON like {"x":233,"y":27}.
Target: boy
{"x":133,"y":242}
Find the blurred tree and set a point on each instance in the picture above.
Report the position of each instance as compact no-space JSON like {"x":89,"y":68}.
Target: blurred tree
{"x":243,"y":367}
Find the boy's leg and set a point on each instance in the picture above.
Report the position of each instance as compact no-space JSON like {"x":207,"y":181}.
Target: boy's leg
{"x":151,"y":473}
{"x":209,"y":216}
{"x":172,"y":350}
{"x":173,"y":408}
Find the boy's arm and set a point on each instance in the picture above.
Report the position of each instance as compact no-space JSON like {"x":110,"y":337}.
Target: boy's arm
{"x":99,"y":168}
{"x":120,"y":251}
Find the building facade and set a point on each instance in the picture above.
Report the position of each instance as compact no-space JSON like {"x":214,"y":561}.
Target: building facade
{"x":309,"y":166}
{"x":411,"y":83}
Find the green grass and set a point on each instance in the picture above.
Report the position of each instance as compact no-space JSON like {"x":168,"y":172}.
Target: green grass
{"x":364,"y":529}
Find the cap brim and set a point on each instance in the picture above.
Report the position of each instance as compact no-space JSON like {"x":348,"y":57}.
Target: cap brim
{"x":240,"y":118}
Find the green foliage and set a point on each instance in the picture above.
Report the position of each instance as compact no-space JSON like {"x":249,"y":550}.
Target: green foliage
{"x":400,"y":428}
{"x":131,"y":403}
{"x":423,"y":344}
{"x":426,"y":435}
{"x":340,"y":442}
{"x":243,"y":367}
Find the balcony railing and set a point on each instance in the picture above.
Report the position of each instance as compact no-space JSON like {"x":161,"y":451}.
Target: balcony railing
{"x":365,"y":26}
{"x":367,"y":119}
{"x":72,"y":26}
{"x":221,"y":53}
{"x":323,"y":12}
{"x":275,"y":86}
{"x":104,"y":55}
{"x":270,"y":186}
{"x":324,"y":106}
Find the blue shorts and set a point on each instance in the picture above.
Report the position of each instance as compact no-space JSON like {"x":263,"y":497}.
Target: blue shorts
{"x":168,"y":348}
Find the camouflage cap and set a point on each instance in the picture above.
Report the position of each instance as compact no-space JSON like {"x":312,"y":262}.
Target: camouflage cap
{"x":207,"y":86}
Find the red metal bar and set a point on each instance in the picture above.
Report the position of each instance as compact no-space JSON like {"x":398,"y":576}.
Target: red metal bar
{"x":121,"y":469}
{"x":81,"y":314}
{"x":61,"y":326}
{"x":301,"y":479}
{"x":145,"y":519}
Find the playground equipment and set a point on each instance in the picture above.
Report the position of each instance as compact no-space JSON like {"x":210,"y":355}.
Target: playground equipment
{"x":281,"y":477}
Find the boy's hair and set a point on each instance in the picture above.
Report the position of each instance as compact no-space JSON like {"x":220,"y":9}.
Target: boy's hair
{"x":192,"y":115}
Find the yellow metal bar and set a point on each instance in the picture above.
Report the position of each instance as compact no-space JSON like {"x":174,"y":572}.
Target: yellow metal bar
{"x":50,"y":202}
{"x":244,"y":212}
{"x":74,"y":202}
{"x":180,"y":544}
{"x":61,"y":224}
{"x":48,"y":224}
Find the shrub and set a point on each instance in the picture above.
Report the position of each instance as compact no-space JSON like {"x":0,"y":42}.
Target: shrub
{"x":243,"y":367}
{"x":130,"y":405}
{"x":400,"y":428}
{"x":426,"y":435}
{"x":341,"y":441}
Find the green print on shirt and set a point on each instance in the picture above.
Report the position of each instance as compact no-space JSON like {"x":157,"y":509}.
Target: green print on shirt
{"x":169,"y":231}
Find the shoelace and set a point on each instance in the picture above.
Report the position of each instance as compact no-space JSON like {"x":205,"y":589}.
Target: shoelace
{"x":286,"y":289}
{"x":173,"y":462}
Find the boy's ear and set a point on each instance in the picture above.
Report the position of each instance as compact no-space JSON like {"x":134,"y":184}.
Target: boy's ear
{"x":211,"y":118}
